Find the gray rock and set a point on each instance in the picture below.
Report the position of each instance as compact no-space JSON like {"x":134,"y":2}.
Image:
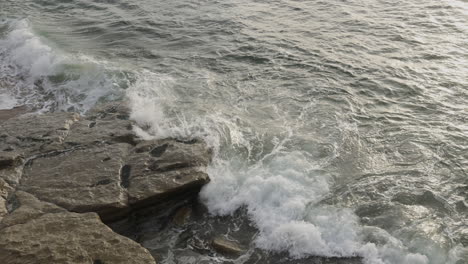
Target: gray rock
{"x":228,"y":247}
{"x":25,"y":207}
{"x":35,"y":134}
{"x":39,"y":232}
{"x":11,"y":166}
{"x":5,"y":190}
{"x":110,"y":111}
{"x":6,"y":114}
{"x":97,"y":163}
{"x":158,"y":169}
{"x":57,"y":170}
{"x":80,"y":180}
{"x":11,"y":175}
{"x":10,"y":159}
{"x":88,"y":133}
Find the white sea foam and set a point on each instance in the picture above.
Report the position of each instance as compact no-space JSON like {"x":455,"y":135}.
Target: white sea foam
{"x":7,"y":101}
{"x":34,"y":72}
{"x":25,"y":52}
{"x":280,"y":190}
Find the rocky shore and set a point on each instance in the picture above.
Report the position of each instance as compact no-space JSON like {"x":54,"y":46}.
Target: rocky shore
{"x":86,"y":189}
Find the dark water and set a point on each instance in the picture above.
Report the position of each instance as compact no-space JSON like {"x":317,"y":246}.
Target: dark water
{"x":341,"y":126}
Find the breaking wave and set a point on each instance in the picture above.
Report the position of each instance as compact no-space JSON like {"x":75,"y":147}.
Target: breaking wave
{"x":278,"y":184}
{"x":34,"y":73}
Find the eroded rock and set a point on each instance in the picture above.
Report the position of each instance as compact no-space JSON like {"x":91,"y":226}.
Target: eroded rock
{"x":90,"y":132}
{"x":25,"y":207}
{"x":80,"y":180}
{"x":6,"y":114}
{"x":160,"y":168}
{"x":10,"y":159}
{"x":110,"y":111}
{"x":10,"y":166}
{"x":34,"y":134}
{"x":5,"y":190}
{"x":57,"y":170}
{"x":39,"y":232}
{"x":97,"y":163}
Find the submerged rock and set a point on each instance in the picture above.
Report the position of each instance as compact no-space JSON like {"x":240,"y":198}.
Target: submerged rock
{"x":225,"y":246}
{"x":182,"y":216}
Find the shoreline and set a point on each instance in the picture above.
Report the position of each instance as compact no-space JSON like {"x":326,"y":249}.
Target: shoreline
{"x":65,"y":179}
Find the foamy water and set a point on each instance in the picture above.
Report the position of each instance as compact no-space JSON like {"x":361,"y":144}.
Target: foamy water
{"x":280,"y":190}
{"x":35,"y":74}
{"x":339,"y":127}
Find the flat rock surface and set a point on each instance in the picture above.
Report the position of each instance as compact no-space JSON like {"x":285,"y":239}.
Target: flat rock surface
{"x":80,"y":180}
{"x":6,"y":114}
{"x":160,"y":168}
{"x":34,"y":134}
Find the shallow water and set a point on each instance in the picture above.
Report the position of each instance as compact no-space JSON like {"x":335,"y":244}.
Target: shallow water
{"x":340,"y":126}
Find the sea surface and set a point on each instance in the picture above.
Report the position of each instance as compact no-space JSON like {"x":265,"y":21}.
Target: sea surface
{"x":339,"y":126}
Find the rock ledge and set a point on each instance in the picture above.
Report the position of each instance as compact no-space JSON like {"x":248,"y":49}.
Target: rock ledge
{"x":59,"y":171}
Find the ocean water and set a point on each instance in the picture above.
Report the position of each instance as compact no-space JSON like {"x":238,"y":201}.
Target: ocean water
{"x":340,"y":127}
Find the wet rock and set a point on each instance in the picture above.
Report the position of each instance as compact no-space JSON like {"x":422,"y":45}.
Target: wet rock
{"x":97,"y":163}
{"x":57,"y":170}
{"x":11,"y":175}
{"x":34,"y":134}
{"x":182,"y":216}
{"x":109,"y":111}
{"x":39,"y":232}
{"x":227,"y":247}
{"x":5,"y":190}
{"x":163,"y":168}
{"x":25,"y":207}
{"x":10,"y":159}
{"x":187,"y":256}
{"x":6,"y":114}
{"x":10,"y":166}
{"x":80,"y":180}
{"x":88,"y":133}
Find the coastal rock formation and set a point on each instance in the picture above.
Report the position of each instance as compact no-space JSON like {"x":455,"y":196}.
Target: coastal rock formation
{"x":86,"y":189}
{"x":62,"y":174}
{"x":97,"y":163}
{"x":39,"y":232}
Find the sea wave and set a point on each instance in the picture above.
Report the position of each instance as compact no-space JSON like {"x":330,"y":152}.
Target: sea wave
{"x":281,"y":189}
{"x":35,"y":73}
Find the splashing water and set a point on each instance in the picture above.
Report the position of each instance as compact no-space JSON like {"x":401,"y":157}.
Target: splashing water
{"x":340,"y":127}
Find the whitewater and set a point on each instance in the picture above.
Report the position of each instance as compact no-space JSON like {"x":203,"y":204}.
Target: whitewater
{"x":339,"y":128}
